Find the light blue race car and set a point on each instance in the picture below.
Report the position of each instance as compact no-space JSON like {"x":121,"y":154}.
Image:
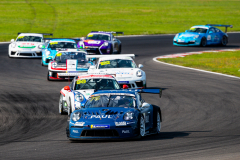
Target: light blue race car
{"x":50,"y":49}
{"x":202,"y":35}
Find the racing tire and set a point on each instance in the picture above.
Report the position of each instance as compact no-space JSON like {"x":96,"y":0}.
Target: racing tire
{"x":69,"y":108}
{"x":203,"y":42}
{"x":141,"y":123}
{"x":111,"y":50}
{"x":60,"y":105}
{"x":119,"y":50}
{"x":224,"y":41}
{"x":42,"y":63}
{"x":158,"y":128}
{"x":48,"y":77}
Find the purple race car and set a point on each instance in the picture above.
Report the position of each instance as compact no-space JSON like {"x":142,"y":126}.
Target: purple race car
{"x":100,"y":42}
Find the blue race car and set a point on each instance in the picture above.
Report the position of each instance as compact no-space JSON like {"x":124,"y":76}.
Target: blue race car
{"x":50,"y":49}
{"x":202,"y":35}
{"x":115,"y":114}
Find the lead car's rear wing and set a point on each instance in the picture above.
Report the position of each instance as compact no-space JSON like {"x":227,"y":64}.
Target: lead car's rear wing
{"x":152,"y":91}
{"x":115,"y":56}
{"x":44,"y":34}
{"x":220,"y":25}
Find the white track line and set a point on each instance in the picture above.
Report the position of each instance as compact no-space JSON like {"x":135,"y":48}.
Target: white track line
{"x":221,"y":74}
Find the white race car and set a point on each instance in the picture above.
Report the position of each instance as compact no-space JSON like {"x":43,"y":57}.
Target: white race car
{"x":124,"y":68}
{"x":75,"y":96}
{"x":27,"y":45}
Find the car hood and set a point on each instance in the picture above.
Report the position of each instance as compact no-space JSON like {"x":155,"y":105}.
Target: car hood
{"x":105,"y":114}
{"x":86,"y":93}
{"x":27,"y":44}
{"x":90,"y":42}
{"x":120,"y":72}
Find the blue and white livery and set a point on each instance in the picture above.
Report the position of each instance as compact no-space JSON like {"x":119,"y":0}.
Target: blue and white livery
{"x":116,"y":114}
{"x":202,"y":35}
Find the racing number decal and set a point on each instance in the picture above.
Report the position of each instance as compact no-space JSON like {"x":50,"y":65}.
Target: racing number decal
{"x":208,"y":37}
{"x":20,"y":37}
{"x":105,"y":63}
{"x":81,"y":81}
{"x":90,"y":35}
{"x":96,"y":98}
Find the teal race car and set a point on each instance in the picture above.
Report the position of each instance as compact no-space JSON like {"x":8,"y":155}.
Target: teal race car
{"x":202,"y":35}
{"x":50,"y":49}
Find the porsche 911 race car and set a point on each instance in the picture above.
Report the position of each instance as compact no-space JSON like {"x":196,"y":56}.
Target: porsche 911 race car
{"x":123,"y":67}
{"x":50,"y":49}
{"x":118,"y":114}
{"x":100,"y":42}
{"x":74,"y":96}
{"x":68,"y":64}
{"x":202,"y":35}
{"x":27,"y":45}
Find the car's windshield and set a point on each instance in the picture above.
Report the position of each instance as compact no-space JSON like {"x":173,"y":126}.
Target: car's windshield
{"x":54,"y":45}
{"x":29,"y":39}
{"x":61,"y":57}
{"x":98,"y":37}
{"x":198,"y":30}
{"x":112,"y":101}
{"x":99,"y":84}
{"x":117,"y":63}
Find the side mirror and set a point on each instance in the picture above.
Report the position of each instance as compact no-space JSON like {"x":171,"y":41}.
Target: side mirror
{"x":145,"y":105}
{"x":140,"y":66}
{"x":67,"y":88}
{"x":46,"y":41}
{"x":114,"y":39}
{"x":125,"y":86}
{"x":210,"y":32}
{"x":186,"y":31}
{"x":12,"y":40}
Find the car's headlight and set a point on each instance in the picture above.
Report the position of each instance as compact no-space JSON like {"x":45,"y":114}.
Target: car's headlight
{"x":128,"y":116}
{"x":105,"y":43}
{"x":79,"y":97}
{"x":196,"y":36}
{"x":176,"y":35}
{"x":40,"y":46}
{"x":13,"y":45}
{"x":54,"y":65}
{"x":48,"y":53}
{"x":76,"y":116}
{"x":139,"y":73}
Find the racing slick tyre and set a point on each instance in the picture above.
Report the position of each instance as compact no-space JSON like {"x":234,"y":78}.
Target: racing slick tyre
{"x":157,"y":119}
{"x":119,"y":49}
{"x":48,"y":77}
{"x":61,"y":104}
{"x":158,"y":128}
{"x":224,"y":41}
{"x":111,"y":50}
{"x":69,"y":108}
{"x":141,"y":125}
{"x":42,"y":63}
{"x":203,"y":42}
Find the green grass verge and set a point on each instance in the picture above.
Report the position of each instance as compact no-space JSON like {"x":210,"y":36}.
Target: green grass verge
{"x":221,"y":62}
{"x":75,"y":18}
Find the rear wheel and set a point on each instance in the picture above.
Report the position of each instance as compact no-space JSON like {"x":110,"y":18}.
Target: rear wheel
{"x":224,"y":41}
{"x":203,"y":42}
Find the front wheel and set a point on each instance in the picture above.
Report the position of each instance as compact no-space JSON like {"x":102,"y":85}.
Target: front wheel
{"x":61,"y":104}
{"x":69,"y":108}
{"x":203,"y":42}
{"x":224,"y":41}
{"x":141,"y":127}
{"x":48,"y":77}
{"x":158,"y":123}
{"x":119,"y":49}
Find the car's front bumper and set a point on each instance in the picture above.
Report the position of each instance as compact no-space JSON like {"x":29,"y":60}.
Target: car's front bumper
{"x":62,"y":75}
{"x":26,"y":53}
{"x":132,"y":83}
{"x":188,"y":42}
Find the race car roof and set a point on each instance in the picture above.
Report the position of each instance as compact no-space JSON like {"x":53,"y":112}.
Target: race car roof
{"x":94,"y":76}
{"x":62,"y":40}
{"x":111,"y":58}
{"x":201,"y":26}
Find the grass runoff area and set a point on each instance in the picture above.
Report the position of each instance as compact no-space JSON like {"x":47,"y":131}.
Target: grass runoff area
{"x":76,"y":18}
{"x":221,"y":62}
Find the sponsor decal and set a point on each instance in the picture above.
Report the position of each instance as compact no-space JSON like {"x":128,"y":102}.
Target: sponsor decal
{"x":92,"y":42}
{"x":53,"y":43}
{"x":81,"y":81}
{"x":102,"y":116}
{"x":90,"y":35}
{"x":192,"y":28}
{"x":208,"y":37}
{"x":58,"y":55}
{"x":96,"y":98}
{"x":79,"y":123}
{"x":121,"y":82}
{"x":180,"y":40}
{"x":120,"y":123}
{"x":125,"y":131}
{"x":106,"y":126}
{"x":105,"y":63}
{"x":20,"y":37}
{"x":75,"y":131}
{"x":25,"y":46}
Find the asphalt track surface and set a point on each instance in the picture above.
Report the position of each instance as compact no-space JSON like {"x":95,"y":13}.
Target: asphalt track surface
{"x":201,"y":111}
